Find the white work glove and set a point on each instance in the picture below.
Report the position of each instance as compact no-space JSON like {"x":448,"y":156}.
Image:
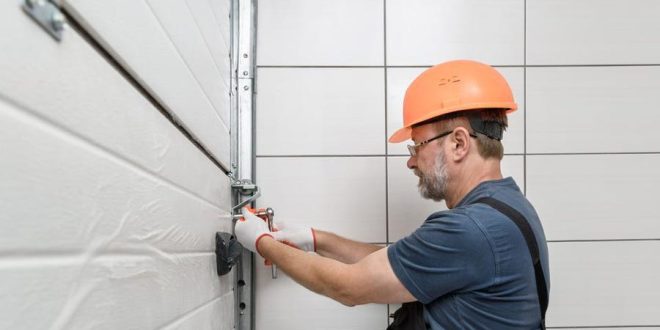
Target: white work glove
{"x":250,"y":229}
{"x":300,"y":237}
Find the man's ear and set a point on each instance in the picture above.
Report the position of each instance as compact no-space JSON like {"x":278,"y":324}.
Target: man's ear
{"x":460,"y":144}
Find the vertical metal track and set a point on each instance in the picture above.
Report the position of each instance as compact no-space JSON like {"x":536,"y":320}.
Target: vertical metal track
{"x":242,"y":157}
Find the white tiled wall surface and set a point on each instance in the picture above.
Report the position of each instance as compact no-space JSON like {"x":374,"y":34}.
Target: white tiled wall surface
{"x":289,"y":97}
{"x":582,"y":145}
{"x":427,"y":32}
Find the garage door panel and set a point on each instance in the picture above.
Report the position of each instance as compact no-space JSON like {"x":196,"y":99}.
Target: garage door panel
{"x":62,"y":193}
{"x":215,"y":315}
{"x":220,"y":11}
{"x":184,"y":31}
{"x":215,"y":31}
{"x":107,"y":291}
{"x":171,"y":62}
{"x":69,"y":84}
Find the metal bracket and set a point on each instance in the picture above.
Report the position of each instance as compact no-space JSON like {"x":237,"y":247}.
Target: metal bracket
{"x":47,"y":15}
{"x":245,"y":188}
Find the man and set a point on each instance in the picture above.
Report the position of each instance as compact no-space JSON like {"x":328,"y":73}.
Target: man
{"x":470,"y":265}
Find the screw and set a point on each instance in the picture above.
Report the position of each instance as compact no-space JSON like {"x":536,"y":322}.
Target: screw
{"x":246,"y":87}
{"x":57,"y":21}
{"x":245,"y":55}
{"x":245,"y":73}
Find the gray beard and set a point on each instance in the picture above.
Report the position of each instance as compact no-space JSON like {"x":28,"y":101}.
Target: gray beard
{"x":433,"y":185}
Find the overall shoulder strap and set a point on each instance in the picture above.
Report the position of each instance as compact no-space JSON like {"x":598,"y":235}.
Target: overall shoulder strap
{"x":532,"y":246}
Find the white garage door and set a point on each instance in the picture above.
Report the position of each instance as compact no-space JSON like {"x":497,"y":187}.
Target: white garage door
{"x":107,"y":211}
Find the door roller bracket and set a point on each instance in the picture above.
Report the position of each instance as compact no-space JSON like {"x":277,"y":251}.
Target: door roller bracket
{"x":228,"y":252}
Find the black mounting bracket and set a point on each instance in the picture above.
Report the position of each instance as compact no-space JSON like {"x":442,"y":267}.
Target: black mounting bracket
{"x":227,"y":252}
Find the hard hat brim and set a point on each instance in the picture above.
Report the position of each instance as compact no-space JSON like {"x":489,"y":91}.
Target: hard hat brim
{"x":401,"y":135}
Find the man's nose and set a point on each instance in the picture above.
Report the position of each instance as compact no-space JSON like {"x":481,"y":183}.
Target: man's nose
{"x":412,"y":163}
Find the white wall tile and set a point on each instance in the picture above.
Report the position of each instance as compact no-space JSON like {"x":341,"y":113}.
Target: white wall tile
{"x":283,"y":304}
{"x":593,"y":109}
{"x":593,"y":32}
{"x":398,"y":80}
{"x":427,"y":32}
{"x":596,"y":196}
{"x":345,"y":195}
{"x":408,"y":210}
{"x":604,"y":284}
{"x":318,"y":32}
{"x":320,"y":111}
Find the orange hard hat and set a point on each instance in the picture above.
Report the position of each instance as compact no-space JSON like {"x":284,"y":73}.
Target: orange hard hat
{"x":450,"y":87}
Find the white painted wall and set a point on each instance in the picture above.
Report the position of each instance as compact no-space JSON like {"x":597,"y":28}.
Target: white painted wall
{"x":331,"y":77}
{"x":107,"y":211}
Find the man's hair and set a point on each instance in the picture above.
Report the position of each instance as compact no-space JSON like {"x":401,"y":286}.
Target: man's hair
{"x":495,"y":119}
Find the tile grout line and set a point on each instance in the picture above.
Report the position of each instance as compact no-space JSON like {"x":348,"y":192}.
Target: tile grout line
{"x":430,"y":65}
{"x":525,"y":98}
{"x":387,"y":208}
{"x":604,"y":240}
{"x":603,"y":326}
{"x":506,"y":154}
{"x":387,"y":188}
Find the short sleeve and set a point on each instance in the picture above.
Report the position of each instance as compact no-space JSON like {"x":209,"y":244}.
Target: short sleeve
{"x":448,"y":253}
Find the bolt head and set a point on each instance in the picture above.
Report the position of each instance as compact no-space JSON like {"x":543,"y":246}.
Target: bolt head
{"x":245,"y":73}
{"x":57,"y":20}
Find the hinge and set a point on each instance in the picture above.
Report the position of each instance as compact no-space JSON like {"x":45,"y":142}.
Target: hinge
{"x":48,"y":15}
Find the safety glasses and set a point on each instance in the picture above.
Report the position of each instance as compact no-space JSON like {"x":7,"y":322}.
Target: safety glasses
{"x":412,"y":148}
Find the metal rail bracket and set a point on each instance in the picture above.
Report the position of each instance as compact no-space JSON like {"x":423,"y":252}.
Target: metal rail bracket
{"x":47,"y":15}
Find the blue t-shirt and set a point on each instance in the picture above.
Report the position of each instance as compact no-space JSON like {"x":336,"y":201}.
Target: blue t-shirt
{"x":470,"y":265}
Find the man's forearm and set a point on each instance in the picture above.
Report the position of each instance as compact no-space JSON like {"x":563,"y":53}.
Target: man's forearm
{"x":342,"y":249}
{"x":371,"y":280}
{"x":321,"y":275}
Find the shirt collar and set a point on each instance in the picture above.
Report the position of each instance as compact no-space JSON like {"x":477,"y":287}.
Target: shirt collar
{"x":487,"y":188}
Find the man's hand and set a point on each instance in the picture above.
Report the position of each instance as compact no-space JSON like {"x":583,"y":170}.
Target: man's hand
{"x":300,"y":237}
{"x":250,"y":229}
